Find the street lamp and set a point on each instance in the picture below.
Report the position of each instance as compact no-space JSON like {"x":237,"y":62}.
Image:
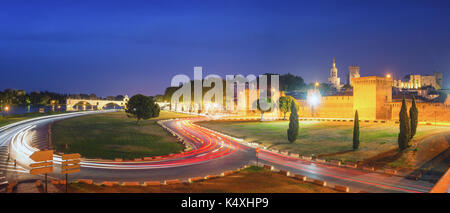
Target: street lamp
{"x":6,"y":109}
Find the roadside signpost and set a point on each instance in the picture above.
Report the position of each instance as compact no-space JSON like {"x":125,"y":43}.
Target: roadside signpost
{"x":43,"y":165}
{"x":70,"y":164}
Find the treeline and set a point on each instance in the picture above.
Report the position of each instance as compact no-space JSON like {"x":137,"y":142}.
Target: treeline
{"x":288,"y":83}
{"x":22,"y":98}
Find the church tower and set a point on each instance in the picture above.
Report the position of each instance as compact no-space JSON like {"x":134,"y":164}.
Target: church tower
{"x":334,"y":79}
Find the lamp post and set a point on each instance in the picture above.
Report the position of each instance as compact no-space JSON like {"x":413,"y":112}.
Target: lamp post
{"x":6,"y":109}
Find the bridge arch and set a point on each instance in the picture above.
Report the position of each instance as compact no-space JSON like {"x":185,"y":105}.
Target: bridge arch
{"x":73,"y":104}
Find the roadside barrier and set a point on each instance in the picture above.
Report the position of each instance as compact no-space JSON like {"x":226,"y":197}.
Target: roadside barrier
{"x":211,"y":176}
{"x":152,"y":183}
{"x":227,"y":173}
{"x":284,"y":153}
{"x":294,"y":155}
{"x":62,"y":182}
{"x":130,"y":184}
{"x":174,"y":181}
{"x":271,"y":168}
{"x":55,"y":182}
{"x":190,"y":180}
{"x":284,"y":172}
{"x":351,"y":165}
{"x":341,"y":188}
{"x":321,"y":160}
{"x":320,"y":182}
{"x":306,"y":157}
{"x":110,"y":183}
{"x":300,"y":177}
{"x":335,"y":162}
{"x":118,"y":159}
{"x":390,"y":171}
{"x":85,"y":181}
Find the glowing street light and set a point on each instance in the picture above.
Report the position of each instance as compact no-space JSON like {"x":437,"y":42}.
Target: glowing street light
{"x":6,"y":109}
{"x":388,"y":75}
{"x":314,"y":100}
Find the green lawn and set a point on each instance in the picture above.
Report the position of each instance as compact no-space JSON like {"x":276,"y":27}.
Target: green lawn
{"x":330,"y":140}
{"x":15,"y":118}
{"x":114,"y":135}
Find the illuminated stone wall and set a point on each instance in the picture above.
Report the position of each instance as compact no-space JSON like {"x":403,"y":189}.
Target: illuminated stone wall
{"x":428,"y":112}
{"x":329,"y":107}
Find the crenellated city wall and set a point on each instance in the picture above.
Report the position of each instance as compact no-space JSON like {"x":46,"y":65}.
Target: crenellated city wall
{"x":428,"y":112}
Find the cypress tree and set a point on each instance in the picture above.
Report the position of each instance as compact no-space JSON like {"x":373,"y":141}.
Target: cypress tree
{"x":405,"y":129}
{"x":356,"y":131}
{"x":292,"y":132}
{"x":414,"y":116}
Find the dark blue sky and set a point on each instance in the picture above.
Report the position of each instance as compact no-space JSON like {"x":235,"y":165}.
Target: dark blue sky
{"x":116,"y":47}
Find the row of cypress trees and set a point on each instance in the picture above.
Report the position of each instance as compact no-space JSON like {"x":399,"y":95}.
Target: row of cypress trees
{"x":408,"y":125}
{"x":292,"y":131}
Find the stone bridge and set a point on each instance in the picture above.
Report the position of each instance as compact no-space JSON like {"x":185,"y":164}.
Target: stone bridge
{"x":95,"y":104}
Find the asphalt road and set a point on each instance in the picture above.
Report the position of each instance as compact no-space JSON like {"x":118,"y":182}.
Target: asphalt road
{"x":212,"y":154}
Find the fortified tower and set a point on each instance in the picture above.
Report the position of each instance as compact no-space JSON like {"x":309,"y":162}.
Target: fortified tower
{"x":353,"y":73}
{"x":372,"y":96}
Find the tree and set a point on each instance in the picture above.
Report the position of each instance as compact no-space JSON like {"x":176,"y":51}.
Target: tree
{"x":284,"y":104}
{"x":289,"y":82}
{"x":356,"y":131}
{"x":414,"y":117}
{"x":292,"y":132}
{"x":142,"y":107}
{"x":263,"y":106}
{"x":405,"y":128}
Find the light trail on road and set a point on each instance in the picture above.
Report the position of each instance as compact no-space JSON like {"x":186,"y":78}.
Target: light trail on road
{"x":211,"y":153}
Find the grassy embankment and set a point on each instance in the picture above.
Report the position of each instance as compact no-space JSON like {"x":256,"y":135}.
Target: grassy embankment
{"x":250,"y":180}
{"x":329,"y":140}
{"x":114,"y":135}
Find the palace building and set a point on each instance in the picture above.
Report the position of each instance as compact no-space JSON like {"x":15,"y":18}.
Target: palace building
{"x":419,"y":81}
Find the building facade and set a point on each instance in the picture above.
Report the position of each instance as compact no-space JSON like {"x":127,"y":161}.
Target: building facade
{"x":419,"y":81}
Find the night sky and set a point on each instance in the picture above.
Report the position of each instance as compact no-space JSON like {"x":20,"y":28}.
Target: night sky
{"x":128,"y":47}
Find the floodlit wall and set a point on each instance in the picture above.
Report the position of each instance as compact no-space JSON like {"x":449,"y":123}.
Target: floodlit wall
{"x":428,"y":112}
{"x":329,"y":107}
{"x":371,"y":96}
